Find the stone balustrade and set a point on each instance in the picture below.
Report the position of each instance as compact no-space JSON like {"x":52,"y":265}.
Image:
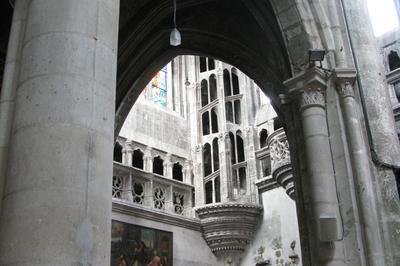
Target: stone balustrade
{"x":141,"y":188}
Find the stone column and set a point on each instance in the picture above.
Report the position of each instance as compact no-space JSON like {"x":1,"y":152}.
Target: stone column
{"x":251,"y":178}
{"x":123,"y":155}
{"x":198,"y":176}
{"x":128,"y":153}
{"x":9,"y":85}
{"x":187,"y":172}
{"x":167,"y":166}
{"x":225,"y":167}
{"x":372,"y":85}
{"x":325,"y":223}
{"x":57,"y":198}
{"x":345,"y":79}
{"x":148,"y":160}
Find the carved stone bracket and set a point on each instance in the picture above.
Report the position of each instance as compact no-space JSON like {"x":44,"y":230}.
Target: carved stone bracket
{"x":229,"y":226}
{"x":281,"y":166}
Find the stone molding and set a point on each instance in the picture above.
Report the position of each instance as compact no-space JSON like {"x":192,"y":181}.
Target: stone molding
{"x":266,"y":184}
{"x":229,"y":226}
{"x":156,"y":215}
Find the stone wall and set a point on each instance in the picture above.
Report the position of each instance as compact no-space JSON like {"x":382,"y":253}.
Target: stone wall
{"x":163,"y":129}
{"x":277,"y":230}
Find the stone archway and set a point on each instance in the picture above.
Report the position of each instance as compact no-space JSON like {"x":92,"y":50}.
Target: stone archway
{"x":61,"y":77}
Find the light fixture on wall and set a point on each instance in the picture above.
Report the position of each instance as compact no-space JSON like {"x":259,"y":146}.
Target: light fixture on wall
{"x":175,"y":37}
{"x":316,"y":55}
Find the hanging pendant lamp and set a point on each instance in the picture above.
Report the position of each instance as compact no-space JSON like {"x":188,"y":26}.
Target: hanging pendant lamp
{"x":175,"y":37}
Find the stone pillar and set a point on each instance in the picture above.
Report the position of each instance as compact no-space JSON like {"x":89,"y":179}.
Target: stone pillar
{"x":187,"y":172}
{"x":127,"y":187}
{"x":148,"y":194}
{"x":198,"y":176}
{"x":123,"y":155}
{"x":251,"y":178}
{"x":372,"y":85}
{"x":128,"y":153}
{"x":225,"y":167}
{"x":345,"y":79}
{"x":57,"y":198}
{"x":325,"y":221}
{"x":148,"y":160}
{"x":167,"y":166}
{"x":9,"y":85}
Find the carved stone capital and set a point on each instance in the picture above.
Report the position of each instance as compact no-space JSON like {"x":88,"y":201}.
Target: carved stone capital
{"x":311,"y":97}
{"x":309,"y":87}
{"x":345,"y":89}
{"x":344,"y":79}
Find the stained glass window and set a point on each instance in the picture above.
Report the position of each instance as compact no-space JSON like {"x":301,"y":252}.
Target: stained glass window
{"x":156,"y":90}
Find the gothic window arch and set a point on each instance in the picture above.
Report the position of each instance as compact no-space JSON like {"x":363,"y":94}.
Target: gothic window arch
{"x":211,"y":157}
{"x":206,"y":64}
{"x":263,"y":138}
{"x":203,"y":64}
{"x":237,"y":110}
{"x":239,"y":147}
{"x":394,"y":60}
{"x":235,"y":82}
{"x":213,"y":87}
{"x":204,"y":92}
{"x":117,"y":157}
{"x":217,"y":189}
{"x":229,"y":112}
{"x":158,"y":165}
{"x":211,"y":63}
{"x":208,"y":189}
{"x":233,"y":148}
{"x":177,"y":172}
{"x":207,"y":161}
{"x":214,"y":120}
{"x":137,"y":159}
{"x":209,"y":120}
{"x":227,"y":83}
{"x":205,"y":120}
{"x":215,"y":154}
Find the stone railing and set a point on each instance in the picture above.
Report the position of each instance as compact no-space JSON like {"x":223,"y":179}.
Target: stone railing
{"x":281,"y":167}
{"x":152,"y":191}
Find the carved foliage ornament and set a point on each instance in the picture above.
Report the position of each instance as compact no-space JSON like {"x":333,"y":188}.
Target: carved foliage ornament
{"x":280,"y":152}
{"x":312,"y":97}
{"x":345,"y":89}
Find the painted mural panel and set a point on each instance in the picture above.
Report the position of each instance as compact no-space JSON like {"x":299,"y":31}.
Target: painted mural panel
{"x":156,"y":90}
{"x":133,"y":245}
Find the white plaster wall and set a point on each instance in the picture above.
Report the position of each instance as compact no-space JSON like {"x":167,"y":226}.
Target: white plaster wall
{"x":279,"y":221}
{"x":189,"y":247}
{"x":157,"y":127}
